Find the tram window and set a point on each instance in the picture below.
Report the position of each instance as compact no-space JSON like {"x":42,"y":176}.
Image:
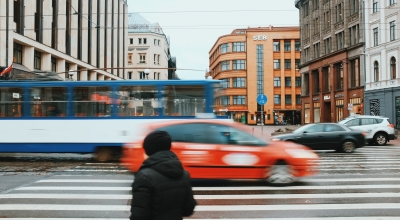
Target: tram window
{"x":48,"y":101}
{"x":10,"y":102}
{"x":184,"y":100}
{"x":92,"y":101}
{"x":138,"y":101}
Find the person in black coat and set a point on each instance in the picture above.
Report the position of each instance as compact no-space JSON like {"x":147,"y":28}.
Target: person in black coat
{"x":161,"y":189}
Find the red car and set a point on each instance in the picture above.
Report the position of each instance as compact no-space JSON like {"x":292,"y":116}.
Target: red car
{"x":221,"y":149}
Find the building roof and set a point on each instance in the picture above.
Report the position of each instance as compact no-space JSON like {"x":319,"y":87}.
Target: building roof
{"x":138,"y":24}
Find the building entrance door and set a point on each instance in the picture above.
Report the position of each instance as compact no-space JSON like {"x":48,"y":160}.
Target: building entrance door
{"x":327,"y":117}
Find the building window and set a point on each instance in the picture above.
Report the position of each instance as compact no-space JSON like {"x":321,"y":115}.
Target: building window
{"x":328,"y":45}
{"x":238,"y":64}
{"x":393,"y":67}
{"x":392,"y":2}
{"x":225,"y":83}
{"x":277,"y":99}
{"x":339,"y":40}
{"x":375,"y":107}
{"x":144,"y":40}
{"x":298,"y":81}
{"x":327,"y":85}
{"x":53,"y":64}
{"x":239,"y":82}
{"x":297,"y":63}
{"x":375,"y":6}
{"x":67,"y":69}
{"x":287,"y":46}
{"x":224,"y":48}
{"x":297,"y":46}
{"x":130,"y":58}
{"x":316,"y":82}
{"x":288,"y":64}
{"x":392,"y":30}
{"x":142,"y":75}
{"x":238,"y":47}
{"x":375,"y":36}
{"x":130,"y":40}
{"x":316,"y":4}
{"x":226,"y":100}
{"x":140,"y":40}
{"x":307,"y":56}
{"x":37,"y":60}
{"x":339,"y":12}
{"x":354,"y":73}
{"x":298,"y":99}
{"x":376,"y":71}
{"x":142,"y":58}
{"x":288,"y":99}
{"x":225,"y":65}
{"x":288,"y":81}
{"x":354,"y":6}
{"x":277,"y":46}
{"x":158,"y":42}
{"x":306,"y":84}
{"x":277,"y":81}
{"x":17,"y":53}
{"x":155,"y":42}
{"x":339,"y":75}
{"x":305,"y":9}
{"x":316,"y":50}
{"x":239,"y":100}
{"x":277,"y":64}
{"x":129,"y":75}
{"x":316,"y":25}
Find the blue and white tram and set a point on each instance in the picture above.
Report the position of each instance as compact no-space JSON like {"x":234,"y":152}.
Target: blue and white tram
{"x":92,"y":116}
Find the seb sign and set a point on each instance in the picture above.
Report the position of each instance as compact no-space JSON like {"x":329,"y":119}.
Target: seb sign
{"x":261,"y":37}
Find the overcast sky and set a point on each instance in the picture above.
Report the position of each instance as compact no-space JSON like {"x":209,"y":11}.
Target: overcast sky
{"x":194,"y":25}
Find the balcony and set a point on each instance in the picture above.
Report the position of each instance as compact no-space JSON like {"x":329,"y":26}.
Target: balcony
{"x":353,"y":18}
{"x":326,"y":31}
{"x":339,"y":25}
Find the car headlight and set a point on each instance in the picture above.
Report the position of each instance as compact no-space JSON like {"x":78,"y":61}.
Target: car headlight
{"x":297,"y":153}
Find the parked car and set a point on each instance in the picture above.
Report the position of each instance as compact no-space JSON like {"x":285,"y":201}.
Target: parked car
{"x":325,"y":136}
{"x":378,"y":129}
{"x":219,"y":149}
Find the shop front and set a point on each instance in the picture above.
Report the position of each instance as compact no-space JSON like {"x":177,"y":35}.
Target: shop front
{"x":287,"y":117}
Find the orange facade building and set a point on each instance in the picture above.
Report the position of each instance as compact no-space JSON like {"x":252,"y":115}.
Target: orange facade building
{"x":257,"y":61}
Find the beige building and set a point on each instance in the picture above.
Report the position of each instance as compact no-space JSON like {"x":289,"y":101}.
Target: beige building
{"x":148,"y":48}
{"x":61,"y":35}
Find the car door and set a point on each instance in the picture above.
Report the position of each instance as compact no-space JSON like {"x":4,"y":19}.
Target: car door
{"x":333,"y":135}
{"x":312,"y":137}
{"x":369,"y":126}
{"x":240,"y":155}
{"x":354,"y":124}
{"x":191,"y":144}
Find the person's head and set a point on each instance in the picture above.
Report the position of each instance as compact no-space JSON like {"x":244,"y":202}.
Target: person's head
{"x":156,"y":141}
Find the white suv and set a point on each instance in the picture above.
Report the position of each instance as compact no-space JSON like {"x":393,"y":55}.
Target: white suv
{"x":378,"y":130}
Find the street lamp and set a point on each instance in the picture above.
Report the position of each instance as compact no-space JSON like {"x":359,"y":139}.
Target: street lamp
{"x":70,"y":74}
{"x":147,"y":71}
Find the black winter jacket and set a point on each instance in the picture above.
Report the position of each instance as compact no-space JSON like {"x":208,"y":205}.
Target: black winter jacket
{"x":162,"y":190}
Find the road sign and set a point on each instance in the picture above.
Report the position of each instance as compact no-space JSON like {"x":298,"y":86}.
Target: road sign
{"x":262,"y":99}
{"x":350,"y":106}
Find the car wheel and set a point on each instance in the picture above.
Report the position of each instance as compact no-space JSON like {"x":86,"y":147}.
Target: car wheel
{"x":380,"y":139}
{"x":280,"y":174}
{"x":103,"y":154}
{"x":348,"y":146}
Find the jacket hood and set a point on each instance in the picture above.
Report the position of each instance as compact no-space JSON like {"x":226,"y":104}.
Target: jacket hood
{"x":165,"y":162}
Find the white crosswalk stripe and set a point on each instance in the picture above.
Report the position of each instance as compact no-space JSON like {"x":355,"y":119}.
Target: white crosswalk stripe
{"x":347,"y":187}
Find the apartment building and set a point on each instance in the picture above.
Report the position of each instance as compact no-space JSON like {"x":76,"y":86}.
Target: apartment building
{"x":256,"y":61}
{"x":148,"y":49}
{"x":332,"y":63}
{"x":56,"y":36}
{"x":382,"y":49}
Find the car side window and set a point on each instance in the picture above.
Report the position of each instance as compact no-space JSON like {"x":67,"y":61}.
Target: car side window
{"x":315,"y":128}
{"x":378,"y":121}
{"x":192,"y":133}
{"x":221,"y":134}
{"x":353,"y":122}
{"x":368,"y":121}
{"x":330,"y":128}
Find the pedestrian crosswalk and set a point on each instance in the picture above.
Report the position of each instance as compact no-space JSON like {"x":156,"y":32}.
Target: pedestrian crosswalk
{"x":364,"y":185}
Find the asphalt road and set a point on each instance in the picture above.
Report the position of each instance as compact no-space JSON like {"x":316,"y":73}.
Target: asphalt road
{"x":362,"y":185}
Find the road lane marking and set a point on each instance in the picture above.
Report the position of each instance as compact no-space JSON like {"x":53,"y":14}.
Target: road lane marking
{"x":310,"y":218}
{"x":202,"y":208}
{"x":78,"y":188}
{"x":207,"y":197}
{"x":84,"y":181}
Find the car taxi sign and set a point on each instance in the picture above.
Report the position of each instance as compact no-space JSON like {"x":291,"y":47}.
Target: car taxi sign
{"x":262,"y":99}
